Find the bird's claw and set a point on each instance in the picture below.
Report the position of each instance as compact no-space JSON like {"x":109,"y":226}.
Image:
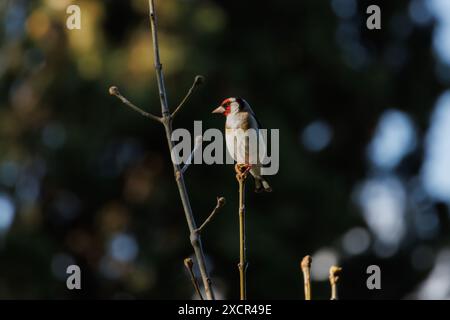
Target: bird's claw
{"x":242,"y":169}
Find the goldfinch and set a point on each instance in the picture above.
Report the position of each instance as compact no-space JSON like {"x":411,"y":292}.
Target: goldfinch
{"x":243,"y":140}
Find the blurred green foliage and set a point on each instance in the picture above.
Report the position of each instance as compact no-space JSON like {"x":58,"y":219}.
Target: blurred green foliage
{"x":81,"y":170}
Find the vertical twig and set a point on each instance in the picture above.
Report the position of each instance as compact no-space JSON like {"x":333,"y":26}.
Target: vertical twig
{"x":306,"y":270}
{"x":241,"y":176}
{"x":167,"y":122}
{"x":335,"y":272}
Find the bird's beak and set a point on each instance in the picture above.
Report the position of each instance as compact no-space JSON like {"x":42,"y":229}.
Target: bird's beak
{"x":219,"y":110}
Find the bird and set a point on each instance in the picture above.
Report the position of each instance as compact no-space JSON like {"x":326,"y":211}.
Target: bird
{"x":240,"y":120}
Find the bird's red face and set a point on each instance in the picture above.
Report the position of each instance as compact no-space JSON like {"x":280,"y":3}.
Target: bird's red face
{"x":226,"y":104}
{"x":225,"y":107}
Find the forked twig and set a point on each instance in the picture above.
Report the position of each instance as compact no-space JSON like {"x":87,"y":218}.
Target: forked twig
{"x":166,"y":120}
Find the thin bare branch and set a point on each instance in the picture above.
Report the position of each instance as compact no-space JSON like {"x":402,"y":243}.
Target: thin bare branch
{"x":189,"y":264}
{"x":335,"y":272}
{"x":241,"y":175}
{"x":220,"y":203}
{"x":306,"y":270}
{"x":197,"y":145}
{"x":197,"y":82}
{"x":114,"y":91}
{"x":166,"y":120}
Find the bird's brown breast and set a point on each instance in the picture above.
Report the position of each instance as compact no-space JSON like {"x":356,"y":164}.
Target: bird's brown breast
{"x":238,"y":121}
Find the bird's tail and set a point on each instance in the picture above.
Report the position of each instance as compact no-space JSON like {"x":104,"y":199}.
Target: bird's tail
{"x":261,"y":185}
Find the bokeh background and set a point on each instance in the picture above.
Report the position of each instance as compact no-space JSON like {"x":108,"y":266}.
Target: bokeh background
{"x":364,"y":120}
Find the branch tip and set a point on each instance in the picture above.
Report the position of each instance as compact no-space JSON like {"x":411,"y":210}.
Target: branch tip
{"x":306,"y":262}
{"x":199,"y":80}
{"x":306,"y":268}
{"x":220,"y":203}
{"x":114,"y":91}
{"x":335,"y":273}
{"x":188,"y":263}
